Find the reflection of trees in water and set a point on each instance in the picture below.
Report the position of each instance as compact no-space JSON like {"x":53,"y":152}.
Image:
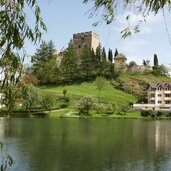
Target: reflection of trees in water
{"x":74,"y":144}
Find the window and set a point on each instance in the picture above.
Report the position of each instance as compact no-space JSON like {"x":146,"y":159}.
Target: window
{"x":167,"y":102}
{"x":159,"y":88}
{"x":167,"y":95}
{"x":159,"y":95}
{"x":79,"y":46}
{"x":152,"y":102}
{"x":159,"y":102}
{"x":152,"y":95}
{"x":167,"y":89}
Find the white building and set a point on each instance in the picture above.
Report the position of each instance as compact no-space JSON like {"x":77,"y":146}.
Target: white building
{"x":159,"y":97}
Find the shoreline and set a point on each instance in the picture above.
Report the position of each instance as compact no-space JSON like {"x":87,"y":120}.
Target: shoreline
{"x":69,"y":113}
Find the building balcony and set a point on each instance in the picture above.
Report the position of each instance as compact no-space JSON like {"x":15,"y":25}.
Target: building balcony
{"x":151,"y":98}
{"x":167,"y":98}
{"x":167,"y":92}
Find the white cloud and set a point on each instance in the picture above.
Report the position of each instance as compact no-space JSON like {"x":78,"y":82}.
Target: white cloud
{"x":146,"y":23}
{"x":133,"y":49}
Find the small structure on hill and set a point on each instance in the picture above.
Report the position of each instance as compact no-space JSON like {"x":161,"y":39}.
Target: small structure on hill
{"x":159,"y":97}
{"x":120,"y":62}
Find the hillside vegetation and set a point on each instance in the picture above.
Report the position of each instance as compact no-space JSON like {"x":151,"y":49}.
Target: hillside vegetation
{"x":77,"y":91}
{"x":136,"y":83}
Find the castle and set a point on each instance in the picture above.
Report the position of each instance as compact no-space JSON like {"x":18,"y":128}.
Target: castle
{"x":92,"y":40}
{"x":85,"y":39}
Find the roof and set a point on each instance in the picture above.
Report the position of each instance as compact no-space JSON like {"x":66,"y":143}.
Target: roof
{"x":120,"y":56}
{"x":156,"y":85}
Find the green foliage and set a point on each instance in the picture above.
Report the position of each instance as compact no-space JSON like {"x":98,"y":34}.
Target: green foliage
{"x":146,"y":113}
{"x":155,"y":60}
{"x":110,"y":55}
{"x":68,"y":68}
{"x":14,"y":31}
{"x":116,"y":52}
{"x":12,"y":68}
{"x":85,"y":105}
{"x":64,"y":92}
{"x":44,"y":63}
{"x":31,"y":97}
{"x":110,"y":9}
{"x":160,"y":70}
{"x":13,"y":24}
{"x":100,"y":84}
{"x":47,"y":101}
{"x":132,"y":64}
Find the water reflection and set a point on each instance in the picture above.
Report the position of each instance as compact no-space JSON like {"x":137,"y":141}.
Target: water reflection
{"x":88,"y":145}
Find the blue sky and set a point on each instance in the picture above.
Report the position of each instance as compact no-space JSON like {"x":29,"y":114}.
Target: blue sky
{"x":64,"y":18}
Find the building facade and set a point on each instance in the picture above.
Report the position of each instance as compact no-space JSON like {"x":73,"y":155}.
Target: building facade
{"x":159,"y":97}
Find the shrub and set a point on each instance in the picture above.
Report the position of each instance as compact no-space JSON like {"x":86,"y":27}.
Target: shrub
{"x":85,"y":105}
{"x":159,"y":113}
{"x":146,"y":113}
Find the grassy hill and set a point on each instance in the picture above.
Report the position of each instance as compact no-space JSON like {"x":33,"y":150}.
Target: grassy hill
{"x":108,"y":95}
{"x":136,"y":83}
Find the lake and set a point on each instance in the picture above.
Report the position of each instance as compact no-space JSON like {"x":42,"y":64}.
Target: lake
{"x":38,"y":144}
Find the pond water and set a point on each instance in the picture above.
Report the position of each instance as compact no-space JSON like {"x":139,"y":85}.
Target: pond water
{"x":87,"y":145}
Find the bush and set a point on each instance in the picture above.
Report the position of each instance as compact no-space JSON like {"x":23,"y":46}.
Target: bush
{"x":146,"y":113}
{"x":85,"y":105}
{"x":159,"y":113}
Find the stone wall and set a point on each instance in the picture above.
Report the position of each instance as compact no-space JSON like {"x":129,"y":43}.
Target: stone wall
{"x":89,"y":39}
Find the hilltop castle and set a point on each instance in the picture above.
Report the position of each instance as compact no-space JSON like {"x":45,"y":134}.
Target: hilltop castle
{"x":92,"y":40}
{"x":89,"y":39}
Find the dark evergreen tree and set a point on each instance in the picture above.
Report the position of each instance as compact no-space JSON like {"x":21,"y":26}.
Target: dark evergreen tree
{"x":155,"y":60}
{"x":68,"y":68}
{"x":110,"y":55}
{"x":116,"y":52}
{"x":99,"y":53}
{"x":103,"y":55}
{"x":86,"y":67}
{"x":44,"y":62}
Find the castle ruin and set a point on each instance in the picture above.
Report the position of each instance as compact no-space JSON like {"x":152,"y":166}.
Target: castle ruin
{"x":89,"y":39}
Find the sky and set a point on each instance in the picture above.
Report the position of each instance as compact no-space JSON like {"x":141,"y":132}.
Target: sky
{"x":64,"y":18}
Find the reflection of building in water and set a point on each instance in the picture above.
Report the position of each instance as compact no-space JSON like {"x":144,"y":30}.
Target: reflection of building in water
{"x":162,"y":138}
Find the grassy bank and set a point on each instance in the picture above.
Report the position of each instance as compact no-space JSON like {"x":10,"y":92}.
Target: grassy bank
{"x":77,"y":91}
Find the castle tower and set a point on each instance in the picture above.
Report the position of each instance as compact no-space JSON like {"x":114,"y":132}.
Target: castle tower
{"x":89,"y":39}
{"x":120,"y":62}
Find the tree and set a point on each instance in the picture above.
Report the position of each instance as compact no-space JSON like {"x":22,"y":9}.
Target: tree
{"x":110,"y":55}
{"x":47,"y":101}
{"x":44,"y":63}
{"x":110,"y":8}
{"x":103,"y":55}
{"x":161,"y":70}
{"x":31,"y":97}
{"x":155,"y":60}
{"x":100,"y":84}
{"x":68,"y":67}
{"x":12,"y":68}
{"x":14,"y":31}
{"x":86,"y":67}
{"x":85,"y":105}
{"x":132,"y":64}
{"x":116,"y":52}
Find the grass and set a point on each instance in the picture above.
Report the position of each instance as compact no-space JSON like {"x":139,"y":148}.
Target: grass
{"x":108,"y":95}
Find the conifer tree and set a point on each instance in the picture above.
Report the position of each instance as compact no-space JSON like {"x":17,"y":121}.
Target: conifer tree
{"x":155,"y":60}
{"x":68,"y":68}
{"x":103,"y":55}
{"x":110,"y":55}
{"x":116,"y":52}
